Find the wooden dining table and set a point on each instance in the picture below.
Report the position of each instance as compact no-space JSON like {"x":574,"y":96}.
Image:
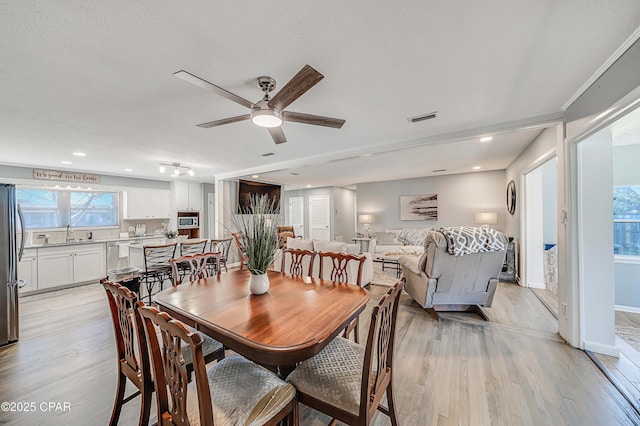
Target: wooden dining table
{"x":292,"y":322}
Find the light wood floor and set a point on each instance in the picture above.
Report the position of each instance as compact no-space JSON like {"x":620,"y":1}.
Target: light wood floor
{"x":513,"y":370}
{"x":626,"y":367}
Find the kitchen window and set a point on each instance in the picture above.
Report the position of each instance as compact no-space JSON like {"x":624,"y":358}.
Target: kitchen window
{"x":57,"y":208}
{"x":626,"y":220}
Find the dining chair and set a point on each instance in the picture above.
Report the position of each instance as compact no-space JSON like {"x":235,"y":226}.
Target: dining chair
{"x":192,"y":247}
{"x":299,"y":258}
{"x":131,"y":347}
{"x":232,"y":391}
{"x":222,"y":246}
{"x":237,"y":236}
{"x":342,"y":273}
{"x":157,"y":268}
{"x":346,"y":380}
{"x":196,"y":265}
{"x":133,"y":353}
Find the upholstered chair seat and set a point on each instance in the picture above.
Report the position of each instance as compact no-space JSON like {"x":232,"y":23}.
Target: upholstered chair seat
{"x":334,"y":375}
{"x":242,"y":393}
{"x":209,"y":346}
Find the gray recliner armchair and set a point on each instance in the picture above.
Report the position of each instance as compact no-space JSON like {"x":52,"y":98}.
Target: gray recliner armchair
{"x":440,"y":281}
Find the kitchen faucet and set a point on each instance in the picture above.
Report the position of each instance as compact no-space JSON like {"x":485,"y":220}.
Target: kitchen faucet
{"x":69,"y":233}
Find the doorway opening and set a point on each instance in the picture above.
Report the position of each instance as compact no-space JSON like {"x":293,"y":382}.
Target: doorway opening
{"x":540,"y":267}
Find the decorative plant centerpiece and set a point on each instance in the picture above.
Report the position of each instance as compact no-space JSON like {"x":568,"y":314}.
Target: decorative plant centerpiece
{"x":258,"y":226}
{"x":170,"y":233}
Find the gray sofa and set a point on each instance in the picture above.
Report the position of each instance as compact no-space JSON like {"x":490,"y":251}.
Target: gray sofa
{"x":439,"y":281}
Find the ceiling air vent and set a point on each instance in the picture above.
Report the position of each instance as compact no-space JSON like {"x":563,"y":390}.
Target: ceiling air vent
{"x":268,"y":154}
{"x":423,"y":117}
{"x":438,"y":170}
{"x":295,"y":174}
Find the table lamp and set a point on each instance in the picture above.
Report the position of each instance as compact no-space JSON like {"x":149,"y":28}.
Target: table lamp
{"x":366,"y":220}
{"x":485,"y":219}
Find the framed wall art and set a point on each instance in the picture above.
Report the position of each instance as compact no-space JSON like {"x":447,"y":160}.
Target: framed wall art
{"x":419,"y":207}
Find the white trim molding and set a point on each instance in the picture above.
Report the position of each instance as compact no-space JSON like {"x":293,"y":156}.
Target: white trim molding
{"x":623,"y":308}
{"x":602,"y":349}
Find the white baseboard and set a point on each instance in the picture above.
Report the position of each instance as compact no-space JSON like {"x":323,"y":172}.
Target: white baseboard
{"x":632,"y":309}
{"x":602,"y":349}
{"x":540,"y":286}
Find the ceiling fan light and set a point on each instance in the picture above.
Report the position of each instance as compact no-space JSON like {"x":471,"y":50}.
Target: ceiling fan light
{"x":161,"y":168}
{"x":191,"y":172}
{"x":266,"y":118}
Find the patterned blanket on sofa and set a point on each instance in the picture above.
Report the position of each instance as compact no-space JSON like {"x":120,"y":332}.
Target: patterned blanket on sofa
{"x":463,"y":240}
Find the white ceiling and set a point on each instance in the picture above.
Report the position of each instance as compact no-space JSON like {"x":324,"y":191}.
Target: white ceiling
{"x":97,"y":77}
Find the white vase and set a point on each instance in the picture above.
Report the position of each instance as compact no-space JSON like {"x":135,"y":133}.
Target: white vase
{"x":258,"y":284}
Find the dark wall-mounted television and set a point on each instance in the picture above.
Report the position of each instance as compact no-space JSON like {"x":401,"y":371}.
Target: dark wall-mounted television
{"x":247,"y":188}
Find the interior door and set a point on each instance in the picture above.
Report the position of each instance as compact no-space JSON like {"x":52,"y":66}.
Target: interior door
{"x":296,"y":215}
{"x":319,"y":217}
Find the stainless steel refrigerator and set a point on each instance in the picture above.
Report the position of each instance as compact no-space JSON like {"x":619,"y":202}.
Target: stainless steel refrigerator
{"x":11,"y":229}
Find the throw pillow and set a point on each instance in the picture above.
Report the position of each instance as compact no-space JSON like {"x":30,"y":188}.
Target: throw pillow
{"x":299,"y":243}
{"x":413,"y":237}
{"x":334,"y":246}
{"x":385,"y":238}
{"x":396,"y":235}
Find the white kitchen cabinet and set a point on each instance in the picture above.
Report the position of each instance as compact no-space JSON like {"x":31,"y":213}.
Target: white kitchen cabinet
{"x":89,"y":263}
{"x":59,"y":266}
{"x":28,"y":271}
{"x":188,"y":196}
{"x":55,"y":268}
{"x":139,"y":203}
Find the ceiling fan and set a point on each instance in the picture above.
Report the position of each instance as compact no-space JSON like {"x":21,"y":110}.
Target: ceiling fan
{"x":267,"y":112}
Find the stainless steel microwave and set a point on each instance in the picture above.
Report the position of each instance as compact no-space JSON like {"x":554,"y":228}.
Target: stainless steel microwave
{"x":187,"y":222}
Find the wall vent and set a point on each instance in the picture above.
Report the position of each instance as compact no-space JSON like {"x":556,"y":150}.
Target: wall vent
{"x":423,"y":117}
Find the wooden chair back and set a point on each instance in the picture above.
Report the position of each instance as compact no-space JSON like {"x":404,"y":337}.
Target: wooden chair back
{"x":129,"y":332}
{"x":340,"y":273}
{"x":237,"y":236}
{"x":377,"y":379}
{"x":196,"y":265}
{"x":221,"y":246}
{"x":192,"y":247}
{"x":296,"y":267}
{"x":339,"y":266}
{"x":170,"y":373}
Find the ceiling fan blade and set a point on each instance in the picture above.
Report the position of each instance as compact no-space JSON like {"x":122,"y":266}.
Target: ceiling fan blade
{"x":277,"y":134}
{"x":225,"y":121}
{"x":316,"y":120}
{"x":187,"y":76}
{"x":306,"y":78}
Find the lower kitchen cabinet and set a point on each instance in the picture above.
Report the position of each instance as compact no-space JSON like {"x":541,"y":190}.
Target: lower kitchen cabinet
{"x":28,"y":271}
{"x":59,"y":266}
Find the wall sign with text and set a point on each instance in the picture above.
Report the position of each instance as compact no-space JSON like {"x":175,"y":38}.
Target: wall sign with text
{"x":65,"y":176}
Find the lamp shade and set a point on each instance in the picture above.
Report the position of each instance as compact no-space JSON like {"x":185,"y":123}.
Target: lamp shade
{"x":486,"y":218}
{"x":365,"y":218}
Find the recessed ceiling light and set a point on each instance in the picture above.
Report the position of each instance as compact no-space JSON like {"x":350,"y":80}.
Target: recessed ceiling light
{"x":79,"y":154}
{"x":128,"y":170}
{"x":486,"y":139}
{"x":476,"y":167}
{"x":255,"y":176}
{"x":308,"y":186}
{"x":66,"y":162}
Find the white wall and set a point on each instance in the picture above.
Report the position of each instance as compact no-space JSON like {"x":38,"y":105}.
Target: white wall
{"x":533,"y":272}
{"x":595,"y":216}
{"x":540,"y":150}
{"x":459,"y":197}
{"x":342,"y":203}
{"x":550,"y":202}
